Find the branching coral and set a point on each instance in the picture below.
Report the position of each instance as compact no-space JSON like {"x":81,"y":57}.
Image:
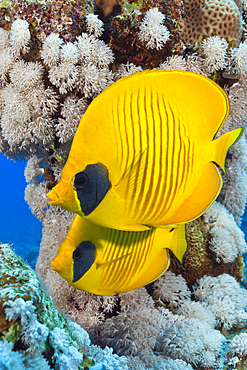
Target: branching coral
{"x":30,"y":105}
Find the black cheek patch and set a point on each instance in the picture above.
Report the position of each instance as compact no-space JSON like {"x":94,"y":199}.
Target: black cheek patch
{"x":94,"y":192}
{"x":83,"y":257}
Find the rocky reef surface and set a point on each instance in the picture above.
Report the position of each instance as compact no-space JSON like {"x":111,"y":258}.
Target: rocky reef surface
{"x":55,"y":58}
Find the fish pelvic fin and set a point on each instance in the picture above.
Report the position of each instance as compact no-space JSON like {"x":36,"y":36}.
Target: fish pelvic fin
{"x":223,"y":143}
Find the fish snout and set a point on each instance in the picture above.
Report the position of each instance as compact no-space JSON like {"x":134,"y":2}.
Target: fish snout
{"x":64,"y":196}
{"x":54,"y":265}
{"x":63,"y":266}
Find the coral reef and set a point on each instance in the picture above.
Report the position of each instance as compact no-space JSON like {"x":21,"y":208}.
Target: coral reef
{"x":56,"y":57}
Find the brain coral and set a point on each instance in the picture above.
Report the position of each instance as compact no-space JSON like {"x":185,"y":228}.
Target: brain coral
{"x":210,"y":17}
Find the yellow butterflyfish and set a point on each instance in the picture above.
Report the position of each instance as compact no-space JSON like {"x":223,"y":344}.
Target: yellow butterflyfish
{"x":144,"y":154}
{"x":105,"y":261}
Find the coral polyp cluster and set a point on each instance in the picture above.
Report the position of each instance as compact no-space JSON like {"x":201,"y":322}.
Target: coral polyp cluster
{"x":56,"y":57}
{"x":136,"y":35}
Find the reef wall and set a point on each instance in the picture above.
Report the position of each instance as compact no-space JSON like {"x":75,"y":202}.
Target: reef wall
{"x":55,"y":58}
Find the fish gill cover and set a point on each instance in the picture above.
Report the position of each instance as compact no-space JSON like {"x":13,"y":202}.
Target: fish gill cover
{"x":56,"y":57}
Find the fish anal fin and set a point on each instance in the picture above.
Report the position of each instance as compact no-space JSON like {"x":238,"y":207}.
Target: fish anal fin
{"x":223,"y":143}
{"x":104,"y":292}
{"x":204,"y":194}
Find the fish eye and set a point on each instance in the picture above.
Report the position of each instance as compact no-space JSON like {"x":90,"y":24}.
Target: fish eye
{"x":81,"y":180}
{"x":77,"y":254}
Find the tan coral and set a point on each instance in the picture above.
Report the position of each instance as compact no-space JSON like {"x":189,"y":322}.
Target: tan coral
{"x":211,"y":17}
{"x":199,"y":260}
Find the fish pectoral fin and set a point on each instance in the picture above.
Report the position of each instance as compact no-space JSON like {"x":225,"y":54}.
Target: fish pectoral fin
{"x":178,"y":244}
{"x":107,"y":263}
{"x":132,"y":181}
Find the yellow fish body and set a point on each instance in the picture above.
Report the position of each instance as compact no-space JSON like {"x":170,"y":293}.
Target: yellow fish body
{"x":105,"y":261}
{"x":144,"y":153}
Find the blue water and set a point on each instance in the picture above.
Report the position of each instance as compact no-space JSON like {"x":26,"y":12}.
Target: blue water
{"x":18,"y":226}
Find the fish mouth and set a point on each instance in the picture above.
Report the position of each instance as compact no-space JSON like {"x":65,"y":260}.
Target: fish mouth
{"x":62,"y":267}
{"x":62,"y":195}
{"x":54,"y":265}
{"x":53,"y":198}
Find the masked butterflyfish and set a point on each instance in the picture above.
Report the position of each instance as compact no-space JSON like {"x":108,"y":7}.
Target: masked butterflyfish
{"x":105,"y":261}
{"x":144,"y":153}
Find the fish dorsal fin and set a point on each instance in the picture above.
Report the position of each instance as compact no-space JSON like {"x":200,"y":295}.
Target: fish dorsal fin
{"x":182,"y":89}
{"x":201,"y":198}
{"x":213,"y":104}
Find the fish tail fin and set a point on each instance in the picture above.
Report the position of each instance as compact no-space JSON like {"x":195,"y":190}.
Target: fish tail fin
{"x":223,"y":143}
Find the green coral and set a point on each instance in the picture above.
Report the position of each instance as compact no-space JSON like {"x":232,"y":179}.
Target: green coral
{"x":19,"y":281}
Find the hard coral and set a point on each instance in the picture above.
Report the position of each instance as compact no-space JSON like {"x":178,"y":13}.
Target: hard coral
{"x":211,"y":17}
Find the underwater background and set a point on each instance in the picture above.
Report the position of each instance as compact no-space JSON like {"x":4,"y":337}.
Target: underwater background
{"x":18,"y":226}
